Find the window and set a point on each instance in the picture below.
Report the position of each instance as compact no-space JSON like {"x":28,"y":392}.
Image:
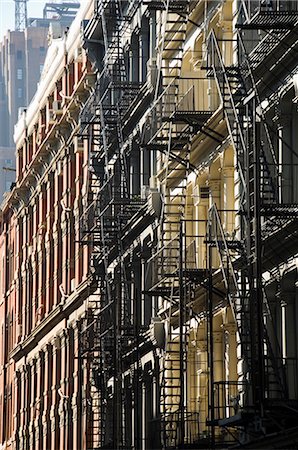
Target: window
{"x":40,"y":68}
{"x":42,"y":49}
{"x":8,"y":162}
{"x":20,"y":74}
{"x":20,"y":93}
{"x":11,"y":49}
{"x":19,"y":54}
{"x":2,"y":91}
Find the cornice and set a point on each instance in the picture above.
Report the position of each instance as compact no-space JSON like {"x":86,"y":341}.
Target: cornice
{"x":58,"y":137}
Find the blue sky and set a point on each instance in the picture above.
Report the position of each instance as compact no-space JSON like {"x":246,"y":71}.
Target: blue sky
{"x":7,"y":7}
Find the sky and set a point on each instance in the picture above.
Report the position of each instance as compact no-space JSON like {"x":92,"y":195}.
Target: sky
{"x":7,"y":8}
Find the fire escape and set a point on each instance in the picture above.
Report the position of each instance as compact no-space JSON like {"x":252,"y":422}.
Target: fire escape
{"x":261,"y":391}
{"x":173,"y":122}
{"x":108,"y":329}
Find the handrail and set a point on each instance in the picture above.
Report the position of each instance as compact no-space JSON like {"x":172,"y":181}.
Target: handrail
{"x":259,"y":114}
{"x":243,"y":6}
{"x":280,"y":377}
{"x":214,"y":213}
{"x":214,"y":47}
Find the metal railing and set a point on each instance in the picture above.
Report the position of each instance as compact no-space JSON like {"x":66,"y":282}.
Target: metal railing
{"x":227,"y":398}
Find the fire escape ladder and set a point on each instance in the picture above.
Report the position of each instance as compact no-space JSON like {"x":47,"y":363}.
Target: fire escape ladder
{"x":275,"y":369}
{"x":176,"y":421}
{"x":269,"y":182}
{"x":229,"y":251}
{"x":230,"y":89}
{"x":258,"y":190}
{"x":106,"y":212}
{"x":234,"y":84}
{"x":171,"y":136}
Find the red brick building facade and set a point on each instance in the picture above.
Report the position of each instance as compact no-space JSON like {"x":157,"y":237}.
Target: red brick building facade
{"x":44,"y":270}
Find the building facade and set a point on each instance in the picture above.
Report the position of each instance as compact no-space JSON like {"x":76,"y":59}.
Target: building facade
{"x":149,"y":247}
{"x":22,"y":56}
{"x":38,"y":232}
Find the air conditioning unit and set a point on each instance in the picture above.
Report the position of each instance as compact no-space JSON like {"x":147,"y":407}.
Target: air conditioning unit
{"x":78,"y":56}
{"x":204,"y":192}
{"x":39,"y":137}
{"x":145,"y":191}
{"x":57,"y":107}
{"x":151,"y":72}
{"x":157,"y":332}
{"x":72,"y":284}
{"x":153,"y":182}
{"x":59,"y":168}
{"x":50,"y":117}
{"x":201,"y":195}
{"x":154,"y":201}
{"x":295,"y":83}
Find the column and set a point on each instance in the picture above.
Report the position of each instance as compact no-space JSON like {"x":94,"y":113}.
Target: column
{"x":232,"y":389}
{"x":77,"y":210}
{"x":200,"y":231}
{"x":54,"y":414}
{"x":39,"y":401}
{"x":134,"y":58}
{"x":285,"y":176}
{"x":57,"y":239}
{"x":152,"y":34}
{"x":41,"y":252}
{"x":214,"y":185}
{"x":64,"y":262}
{"x":62,"y":400}
{"x":218,"y":371}
{"x":47,"y":394}
{"x":49,"y":242}
{"x":34,"y":258}
{"x":71,"y":220}
{"x":18,"y":285}
{"x":143,"y":49}
{"x":228,"y":200}
{"x":17,"y":409}
{"x":135,"y":170}
{"x":27,"y":401}
{"x":202,"y":375}
{"x":77,"y":382}
{"x":85,"y":426}
{"x":289,"y":329}
{"x":69,"y":388}
{"x":226,"y":27}
{"x":22,"y":406}
{"x":32,"y":410}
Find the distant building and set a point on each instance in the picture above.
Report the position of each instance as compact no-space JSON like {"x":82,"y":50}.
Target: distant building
{"x":22,"y":56}
{"x":7,"y":168}
{"x":149,"y":249}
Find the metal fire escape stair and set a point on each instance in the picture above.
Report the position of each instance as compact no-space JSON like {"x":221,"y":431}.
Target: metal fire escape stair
{"x":171,"y":134}
{"x":107,"y":211}
{"x":231,"y":83}
{"x":232,"y":87}
{"x":238,"y":297}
